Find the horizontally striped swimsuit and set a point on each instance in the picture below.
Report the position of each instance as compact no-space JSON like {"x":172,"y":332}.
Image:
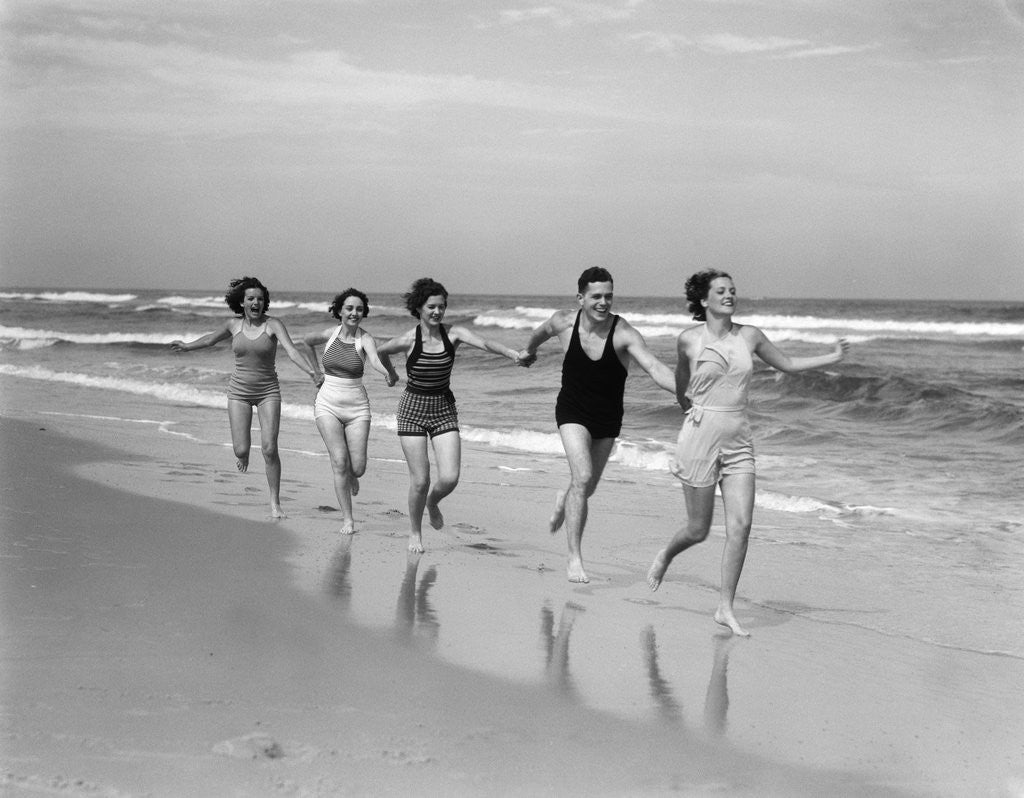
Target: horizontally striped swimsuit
{"x":342,"y":394}
{"x":427,"y":406}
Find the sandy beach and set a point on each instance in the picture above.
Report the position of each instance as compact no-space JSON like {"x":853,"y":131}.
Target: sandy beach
{"x":162,"y":636}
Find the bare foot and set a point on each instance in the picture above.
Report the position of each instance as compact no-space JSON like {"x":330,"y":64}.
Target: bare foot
{"x":276,"y":511}
{"x":725,"y":617}
{"x":436,"y":519}
{"x":353,"y":484}
{"x":558,"y":516}
{"x":657,"y":571}
{"x":415,"y":543}
{"x":242,"y":464}
{"x":574,"y":570}
{"x":347,"y":527}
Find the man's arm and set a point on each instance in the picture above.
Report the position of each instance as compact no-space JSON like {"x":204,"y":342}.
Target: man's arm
{"x":636,"y":346}
{"x":554,"y":326}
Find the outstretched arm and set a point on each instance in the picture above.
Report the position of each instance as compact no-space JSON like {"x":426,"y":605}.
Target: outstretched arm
{"x":644,"y":357}
{"x":309,"y":345}
{"x":774,"y":357}
{"x":549,"y":329}
{"x":207,"y":340}
{"x":381,"y":363}
{"x":467,"y":336}
{"x":277,"y":327}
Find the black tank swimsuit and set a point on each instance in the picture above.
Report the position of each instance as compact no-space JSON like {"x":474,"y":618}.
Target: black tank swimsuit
{"x":592,"y":390}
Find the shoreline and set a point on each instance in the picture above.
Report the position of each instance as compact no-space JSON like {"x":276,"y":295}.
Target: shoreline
{"x":181,"y":631}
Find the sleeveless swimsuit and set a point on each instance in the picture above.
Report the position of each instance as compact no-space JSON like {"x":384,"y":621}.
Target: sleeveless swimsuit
{"x":715,"y":438}
{"x":427,"y":406}
{"x":342,"y":394}
{"x":592,"y":390}
{"x":254,"y":379}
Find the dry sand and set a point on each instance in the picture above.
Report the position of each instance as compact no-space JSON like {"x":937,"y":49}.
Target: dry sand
{"x":161,"y":636}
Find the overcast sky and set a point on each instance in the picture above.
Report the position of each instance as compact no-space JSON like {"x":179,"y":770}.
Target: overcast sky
{"x":815,"y":148}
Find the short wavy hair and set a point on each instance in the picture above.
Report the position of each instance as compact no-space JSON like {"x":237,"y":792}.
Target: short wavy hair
{"x":697,"y":287}
{"x":595,"y":274}
{"x":420,"y":292}
{"x":339,"y":302}
{"x":236,"y":293}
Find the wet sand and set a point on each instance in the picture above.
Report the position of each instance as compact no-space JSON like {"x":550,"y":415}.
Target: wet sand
{"x":161,"y":636}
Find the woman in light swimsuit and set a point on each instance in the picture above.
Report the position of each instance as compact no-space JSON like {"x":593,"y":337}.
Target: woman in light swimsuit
{"x":254,"y":338}
{"x":427,"y":407}
{"x":714,"y":447}
{"x":342,"y":409}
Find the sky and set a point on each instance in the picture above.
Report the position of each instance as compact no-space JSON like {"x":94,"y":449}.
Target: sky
{"x":812,"y":148}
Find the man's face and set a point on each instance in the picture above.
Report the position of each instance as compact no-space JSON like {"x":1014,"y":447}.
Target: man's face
{"x":596,"y":301}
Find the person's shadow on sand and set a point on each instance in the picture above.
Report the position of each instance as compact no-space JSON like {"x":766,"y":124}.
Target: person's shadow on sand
{"x":414,"y":616}
{"x":337,"y":582}
{"x":716,"y":701}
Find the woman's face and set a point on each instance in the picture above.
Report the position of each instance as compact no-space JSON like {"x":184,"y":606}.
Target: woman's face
{"x":721,"y":298}
{"x":254,"y":303}
{"x":352,"y":311}
{"x":432,"y":311}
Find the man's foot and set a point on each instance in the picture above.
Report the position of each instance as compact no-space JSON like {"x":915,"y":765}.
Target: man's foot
{"x":347,"y":527}
{"x":724,"y":616}
{"x":276,"y":511}
{"x":558,"y":516}
{"x":657,"y":571}
{"x":415,"y":543}
{"x":242,"y":464}
{"x":574,"y":570}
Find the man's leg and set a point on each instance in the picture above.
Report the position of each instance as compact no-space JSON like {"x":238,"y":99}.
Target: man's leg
{"x":587,"y":458}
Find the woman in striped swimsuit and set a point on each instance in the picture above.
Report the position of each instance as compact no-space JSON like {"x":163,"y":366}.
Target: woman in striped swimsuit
{"x":342,"y":409}
{"x":254,"y":338}
{"x":427,"y":407}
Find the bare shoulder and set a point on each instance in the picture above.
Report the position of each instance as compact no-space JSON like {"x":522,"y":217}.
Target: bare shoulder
{"x":561,"y":320}
{"x":689,"y":336}
{"x":751,"y":334}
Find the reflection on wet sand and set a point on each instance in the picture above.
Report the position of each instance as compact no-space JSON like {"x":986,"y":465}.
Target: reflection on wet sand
{"x":716,"y":701}
{"x":661,"y":692}
{"x":337,"y":582}
{"x":414,"y":615}
{"x":556,"y":646}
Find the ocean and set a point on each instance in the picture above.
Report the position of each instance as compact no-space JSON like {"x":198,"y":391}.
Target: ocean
{"x":905,"y":462}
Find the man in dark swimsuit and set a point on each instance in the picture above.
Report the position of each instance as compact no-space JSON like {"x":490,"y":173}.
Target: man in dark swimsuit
{"x":598,"y":347}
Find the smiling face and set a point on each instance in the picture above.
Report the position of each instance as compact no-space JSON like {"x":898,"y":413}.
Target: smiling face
{"x":254,"y":303}
{"x":596,"y":302}
{"x":721,"y":299}
{"x":432,"y":311}
{"x":352,"y":311}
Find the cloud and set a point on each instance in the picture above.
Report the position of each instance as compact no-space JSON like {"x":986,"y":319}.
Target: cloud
{"x":568,"y":14}
{"x":95,"y":82}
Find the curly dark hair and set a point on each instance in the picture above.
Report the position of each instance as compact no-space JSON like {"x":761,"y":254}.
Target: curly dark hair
{"x":236,"y":293}
{"x":420,"y":292}
{"x":595,"y":274}
{"x":339,"y":301}
{"x":697,"y":287}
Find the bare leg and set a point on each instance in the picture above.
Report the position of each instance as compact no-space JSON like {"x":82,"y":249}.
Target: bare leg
{"x":700,"y":506}
{"x":414,"y":447}
{"x":357,"y":434}
{"x":240,"y":419}
{"x":587,"y":458}
{"x":558,"y":516}
{"x":448,"y":454}
{"x":738,"y":498}
{"x":270,"y":425}
{"x":333,"y":433}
